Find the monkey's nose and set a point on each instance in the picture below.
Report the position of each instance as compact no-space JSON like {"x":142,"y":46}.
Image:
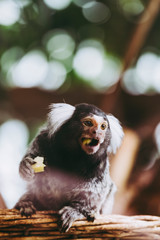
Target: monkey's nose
{"x":94,"y":131}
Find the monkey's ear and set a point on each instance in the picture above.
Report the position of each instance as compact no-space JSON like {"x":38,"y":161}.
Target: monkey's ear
{"x":59,"y":114}
{"x":116,"y":133}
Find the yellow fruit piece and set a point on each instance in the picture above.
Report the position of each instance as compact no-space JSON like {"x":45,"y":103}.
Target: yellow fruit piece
{"x":86,"y":141}
{"x":39,"y":165}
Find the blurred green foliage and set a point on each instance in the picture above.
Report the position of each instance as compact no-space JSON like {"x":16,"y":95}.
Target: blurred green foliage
{"x":37,"y":20}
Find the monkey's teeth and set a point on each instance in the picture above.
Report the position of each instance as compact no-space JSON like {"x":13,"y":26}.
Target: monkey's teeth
{"x":86,"y":141}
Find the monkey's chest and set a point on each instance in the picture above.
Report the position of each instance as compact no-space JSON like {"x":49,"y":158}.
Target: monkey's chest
{"x":93,"y":193}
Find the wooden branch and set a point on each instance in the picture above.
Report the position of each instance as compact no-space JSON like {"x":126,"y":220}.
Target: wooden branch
{"x":2,"y":203}
{"x":121,"y":167}
{"x":43,"y":225}
{"x":123,"y":162}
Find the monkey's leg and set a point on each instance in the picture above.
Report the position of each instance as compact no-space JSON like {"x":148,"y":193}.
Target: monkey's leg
{"x":25,"y":205}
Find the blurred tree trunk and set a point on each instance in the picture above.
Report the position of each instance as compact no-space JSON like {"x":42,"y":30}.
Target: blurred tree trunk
{"x":113,"y":102}
{"x":140,"y":34}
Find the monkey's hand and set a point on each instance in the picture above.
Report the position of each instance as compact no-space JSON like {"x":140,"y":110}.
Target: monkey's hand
{"x":26,"y":171}
{"x":26,"y":208}
{"x":67,"y":216}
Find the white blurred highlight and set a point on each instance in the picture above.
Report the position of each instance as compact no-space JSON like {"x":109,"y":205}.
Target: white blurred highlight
{"x":88,"y":62}
{"x":30,"y":70}
{"x":57,"y":4}
{"x":60,"y":45}
{"x":144,"y":78}
{"x":157,"y":137}
{"x":95,"y":66}
{"x":13,"y":142}
{"x":96,"y":12}
{"x":55,"y":77}
{"x":9,"y":12}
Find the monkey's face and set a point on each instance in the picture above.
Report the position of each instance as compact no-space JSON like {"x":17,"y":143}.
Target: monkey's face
{"x":94,"y":132}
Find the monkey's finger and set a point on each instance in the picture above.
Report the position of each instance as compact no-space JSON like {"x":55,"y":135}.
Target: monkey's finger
{"x":26,"y":163}
{"x":30,"y":160}
{"x":26,"y":170}
{"x":65,"y":225}
{"x":27,"y":212}
{"x":67,"y":217}
{"x":27,"y":209}
{"x":26,"y":173}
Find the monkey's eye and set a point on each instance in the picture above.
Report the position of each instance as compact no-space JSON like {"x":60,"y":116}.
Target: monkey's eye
{"x":88,"y":123}
{"x":103,"y":126}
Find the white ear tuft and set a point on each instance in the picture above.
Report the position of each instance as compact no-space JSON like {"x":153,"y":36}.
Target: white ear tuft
{"x":59,"y":114}
{"x":116,"y":133}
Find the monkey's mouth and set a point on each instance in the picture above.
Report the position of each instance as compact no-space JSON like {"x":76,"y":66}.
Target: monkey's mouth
{"x":90,"y":145}
{"x":92,"y":142}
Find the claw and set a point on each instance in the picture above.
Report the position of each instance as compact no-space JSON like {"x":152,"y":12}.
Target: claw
{"x":66,"y":219}
{"x":91,"y":218}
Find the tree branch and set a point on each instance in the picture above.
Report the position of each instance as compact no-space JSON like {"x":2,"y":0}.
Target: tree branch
{"x":43,"y":225}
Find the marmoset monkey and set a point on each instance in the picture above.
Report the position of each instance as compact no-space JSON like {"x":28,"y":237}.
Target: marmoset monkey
{"x":76,"y":182}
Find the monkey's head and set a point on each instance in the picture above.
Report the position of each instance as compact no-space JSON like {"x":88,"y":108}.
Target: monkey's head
{"x":94,"y":127}
{"x":87,"y":126}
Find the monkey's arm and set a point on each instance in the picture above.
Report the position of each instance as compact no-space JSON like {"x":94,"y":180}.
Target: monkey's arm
{"x":37,"y":148}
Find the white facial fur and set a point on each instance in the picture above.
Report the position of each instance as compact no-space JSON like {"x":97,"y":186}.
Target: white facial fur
{"x":116,"y":133}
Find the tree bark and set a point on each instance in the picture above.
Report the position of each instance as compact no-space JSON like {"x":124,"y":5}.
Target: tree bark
{"x":43,"y":225}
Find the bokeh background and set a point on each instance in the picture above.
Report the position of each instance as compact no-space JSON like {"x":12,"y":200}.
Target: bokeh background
{"x":103,"y":52}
